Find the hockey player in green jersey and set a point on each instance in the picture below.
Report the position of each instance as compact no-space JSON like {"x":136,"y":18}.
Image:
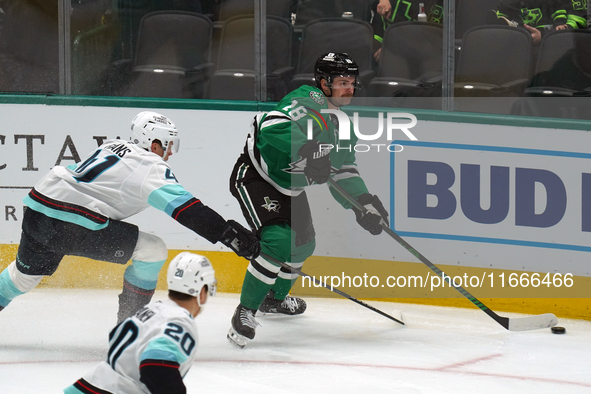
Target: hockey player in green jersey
{"x":288,"y":150}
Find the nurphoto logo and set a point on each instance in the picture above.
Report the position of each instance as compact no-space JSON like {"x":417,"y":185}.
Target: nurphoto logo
{"x":390,"y":123}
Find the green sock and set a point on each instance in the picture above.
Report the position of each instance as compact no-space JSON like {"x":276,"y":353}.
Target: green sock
{"x":282,"y":287}
{"x":253,"y":292}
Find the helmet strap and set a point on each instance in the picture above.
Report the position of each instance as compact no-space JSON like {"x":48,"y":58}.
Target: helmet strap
{"x":329,"y":96}
{"x":327,"y":87}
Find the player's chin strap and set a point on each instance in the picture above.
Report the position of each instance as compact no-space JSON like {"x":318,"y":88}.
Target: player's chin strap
{"x":329,"y":98}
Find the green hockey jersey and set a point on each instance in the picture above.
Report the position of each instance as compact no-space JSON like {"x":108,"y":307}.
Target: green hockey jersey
{"x":545,"y":13}
{"x":278,"y":135}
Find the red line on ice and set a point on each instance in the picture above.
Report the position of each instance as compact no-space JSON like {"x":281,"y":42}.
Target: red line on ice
{"x":446,"y":369}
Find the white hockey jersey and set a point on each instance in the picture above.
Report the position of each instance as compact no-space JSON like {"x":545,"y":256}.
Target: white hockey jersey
{"x":118,"y":180}
{"x":162,"y":331}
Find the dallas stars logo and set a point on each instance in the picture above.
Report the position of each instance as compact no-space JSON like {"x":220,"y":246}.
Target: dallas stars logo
{"x":271,"y":205}
{"x":318,"y":97}
{"x":297,"y":168}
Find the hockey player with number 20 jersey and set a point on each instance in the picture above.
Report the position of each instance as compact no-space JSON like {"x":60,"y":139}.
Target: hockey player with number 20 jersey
{"x":152,"y":351}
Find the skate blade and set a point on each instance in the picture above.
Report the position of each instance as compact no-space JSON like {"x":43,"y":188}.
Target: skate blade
{"x":237,"y":339}
{"x":275,"y":312}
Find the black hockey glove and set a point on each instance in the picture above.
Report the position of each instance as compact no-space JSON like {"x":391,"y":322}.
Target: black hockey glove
{"x":374,"y":217}
{"x":318,"y":165}
{"x":242,"y":241}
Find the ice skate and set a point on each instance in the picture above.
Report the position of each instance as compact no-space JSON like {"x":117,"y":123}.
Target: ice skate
{"x":243,"y":326}
{"x":289,"y":306}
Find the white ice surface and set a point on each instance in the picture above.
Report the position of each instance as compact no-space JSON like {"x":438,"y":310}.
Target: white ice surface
{"x":49,"y":337}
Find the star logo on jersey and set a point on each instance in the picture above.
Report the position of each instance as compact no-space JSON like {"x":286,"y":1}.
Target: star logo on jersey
{"x":271,"y":205}
{"x":297,"y":168}
{"x":318,"y":97}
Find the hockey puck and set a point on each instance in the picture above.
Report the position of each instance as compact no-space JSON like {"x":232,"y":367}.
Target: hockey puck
{"x":558,"y":330}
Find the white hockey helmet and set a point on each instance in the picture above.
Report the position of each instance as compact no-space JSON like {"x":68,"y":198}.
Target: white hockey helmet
{"x":188,"y":273}
{"x":148,"y":126}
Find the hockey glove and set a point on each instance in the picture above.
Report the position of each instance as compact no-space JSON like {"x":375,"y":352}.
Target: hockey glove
{"x":242,"y":241}
{"x":374,"y":217}
{"x":318,"y":165}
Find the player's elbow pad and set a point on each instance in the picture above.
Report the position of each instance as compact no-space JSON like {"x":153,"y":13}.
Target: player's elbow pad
{"x":201,"y":219}
{"x":162,"y":377}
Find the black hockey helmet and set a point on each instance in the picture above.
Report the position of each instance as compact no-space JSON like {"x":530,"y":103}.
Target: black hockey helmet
{"x":332,"y":65}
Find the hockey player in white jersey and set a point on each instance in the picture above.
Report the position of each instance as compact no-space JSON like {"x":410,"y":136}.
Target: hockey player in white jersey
{"x":78,"y":210}
{"x":152,"y":351}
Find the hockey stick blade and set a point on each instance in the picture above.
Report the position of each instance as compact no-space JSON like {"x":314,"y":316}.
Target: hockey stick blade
{"x":527,"y":323}
{"x":512,"y":324}
{"x":398,"y":315}
{"x":399,"y":320}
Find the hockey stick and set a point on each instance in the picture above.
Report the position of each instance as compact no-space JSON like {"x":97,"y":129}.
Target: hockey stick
{"x":512,"y":324}
{"x":318,"y":282}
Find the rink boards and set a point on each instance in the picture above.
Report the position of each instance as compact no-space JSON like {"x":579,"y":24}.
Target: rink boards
{"x":479,"y":197}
